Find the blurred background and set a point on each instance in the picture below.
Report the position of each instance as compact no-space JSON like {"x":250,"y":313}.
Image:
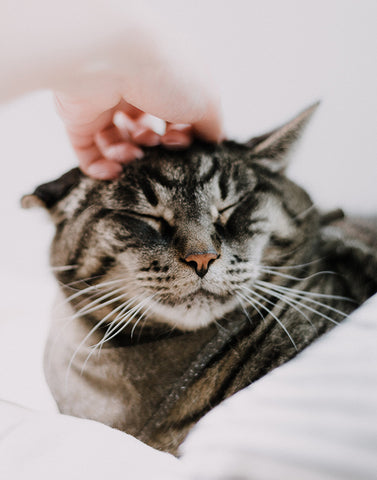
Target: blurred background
{"x":270,"y":59}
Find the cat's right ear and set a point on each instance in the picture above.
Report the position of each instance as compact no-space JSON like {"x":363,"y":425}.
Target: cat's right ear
{"x":48,"y":194}
{"x":272,"y":149}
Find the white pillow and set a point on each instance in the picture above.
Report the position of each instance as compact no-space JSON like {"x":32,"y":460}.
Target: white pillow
{"x":37,"y":446}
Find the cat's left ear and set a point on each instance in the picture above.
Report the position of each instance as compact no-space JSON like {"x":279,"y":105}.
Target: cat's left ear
{"x":48,"y":194}
{"x":272,"y":149}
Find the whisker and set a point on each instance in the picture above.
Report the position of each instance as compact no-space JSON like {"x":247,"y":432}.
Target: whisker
{"x":92,"y":288}
{"x":72,"y":317}
{"x":321,"y":314}
{"x":138,"y":321}
{"x":306,"y":296}
{"x":129,"y":316}
{"x":123,"y":313}
{"x":98,"y":346}
{"x":289,"y":302}
{"x":62,"y":268}
{"x":313,"y":310}
{"x":247,"y":299}
{"x":89,"y":334}
{"x":81,"y":280}
{"x":244,"y":309}
{"x":145,"y":320}
{"x":240,"y":296}
{"x":304,"y":213}
{"x":291,"y":277}
{"x":98,"y":303}
{"x":80,"y":303}
{"x":124,"y":308}
{"x":304,"y":292}
{"x":291,"y":267}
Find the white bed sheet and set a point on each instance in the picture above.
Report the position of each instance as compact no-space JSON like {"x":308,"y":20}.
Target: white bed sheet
{"x":314,"y":418}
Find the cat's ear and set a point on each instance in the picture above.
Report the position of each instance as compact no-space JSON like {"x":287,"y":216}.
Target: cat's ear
{"x":48,"y":194}
{"x":272,"y":149}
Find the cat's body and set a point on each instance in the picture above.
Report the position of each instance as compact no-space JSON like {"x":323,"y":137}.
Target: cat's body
{"x":195,"y":273}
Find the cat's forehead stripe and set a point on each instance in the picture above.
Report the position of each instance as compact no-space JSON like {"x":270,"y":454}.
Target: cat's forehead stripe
{"x":207,"y":168}
{"x":165,"y":176}
{"x":148,"y":190}
{"x":224,"y":184}
{"x":171,"y":175}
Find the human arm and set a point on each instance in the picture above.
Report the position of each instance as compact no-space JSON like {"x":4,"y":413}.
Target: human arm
{"x":102,"y":57}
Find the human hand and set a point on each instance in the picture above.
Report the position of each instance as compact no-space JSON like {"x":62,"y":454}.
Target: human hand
{"x":103,"y":106}
{"x":115,"y":136}
{"x":103,"y":56}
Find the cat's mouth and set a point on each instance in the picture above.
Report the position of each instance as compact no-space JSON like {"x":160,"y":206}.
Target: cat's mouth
{"x":199,"y":295}
{"x":203,"y":292}
{"x":193,"y":310}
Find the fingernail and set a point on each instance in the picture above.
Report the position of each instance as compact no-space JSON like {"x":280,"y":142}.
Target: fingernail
{"x":104,"y":171}
{"x":138,"y":154}
{"x":174,"y":142}
{"x":146,"y":138}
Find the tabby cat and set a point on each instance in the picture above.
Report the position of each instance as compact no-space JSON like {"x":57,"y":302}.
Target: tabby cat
{"x":188,"y":278}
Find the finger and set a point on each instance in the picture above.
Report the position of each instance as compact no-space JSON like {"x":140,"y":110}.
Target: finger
{"x":179,"y":127}
{"x":112,"y":146}
{"x":125,"y":124}
{"x":94,"y":165}
{"x":206,"y":119}
{"x":138,"y":129}
{"x":143,"y":135}
{"x":106,"y":165}
{"x":177,"y":96}
{"x":105,"y":162}
{"x":177,"y":136}
{"x":130,"y":110}
{"x":109,"y":136}
{"x":82,"y":118}
{"x":102,"y":169}
{"x":123,"y":152}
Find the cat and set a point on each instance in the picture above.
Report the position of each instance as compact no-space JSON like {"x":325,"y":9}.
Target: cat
{"x":189,"y":277}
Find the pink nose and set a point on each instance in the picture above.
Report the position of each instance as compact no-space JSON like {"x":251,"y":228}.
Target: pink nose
{"x":201,"y":261}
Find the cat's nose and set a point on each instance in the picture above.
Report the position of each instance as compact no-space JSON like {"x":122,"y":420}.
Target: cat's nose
{"x":200,"y":261}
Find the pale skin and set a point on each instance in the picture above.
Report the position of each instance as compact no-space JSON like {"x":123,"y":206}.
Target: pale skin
{"x":101,"y":57}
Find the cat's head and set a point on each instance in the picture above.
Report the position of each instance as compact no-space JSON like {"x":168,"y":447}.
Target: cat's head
{"x":182,"y":234}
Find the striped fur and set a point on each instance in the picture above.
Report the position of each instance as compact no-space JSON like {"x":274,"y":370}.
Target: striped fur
{"x":173,"y":343}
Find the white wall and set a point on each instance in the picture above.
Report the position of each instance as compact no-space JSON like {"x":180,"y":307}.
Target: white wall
{"x":270,"y":58}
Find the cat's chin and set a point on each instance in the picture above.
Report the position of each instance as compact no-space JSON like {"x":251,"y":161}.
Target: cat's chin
{"x":199,"y":313}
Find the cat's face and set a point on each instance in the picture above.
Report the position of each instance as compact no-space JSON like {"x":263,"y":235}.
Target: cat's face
{"x":183,"y":233}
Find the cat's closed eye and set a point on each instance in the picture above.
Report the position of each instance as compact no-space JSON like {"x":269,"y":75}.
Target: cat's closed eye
{"x":158,"y":223}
